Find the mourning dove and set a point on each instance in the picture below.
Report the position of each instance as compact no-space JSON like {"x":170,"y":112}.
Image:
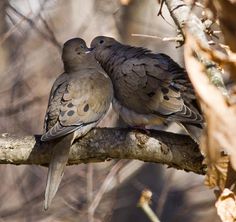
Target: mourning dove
{"x":149,"y":89}
{"x":79,"y":98}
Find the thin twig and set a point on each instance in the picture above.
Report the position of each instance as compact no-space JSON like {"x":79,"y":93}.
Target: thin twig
{"x":49,"y":37}
{"x":12,"y":30}
{"x":51,"y":33}
{"x":165,"y":39}
{"x":164,"y":193}
{"x":144,"y":202}
{"x":90,"y":190}
{"x":104,"y":187}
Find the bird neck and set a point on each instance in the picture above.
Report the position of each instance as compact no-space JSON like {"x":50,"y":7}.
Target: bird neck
{"x":110,"y":58}
{"x":78,"y":64}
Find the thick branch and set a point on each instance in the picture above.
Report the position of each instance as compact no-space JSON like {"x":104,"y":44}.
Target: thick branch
{"x":102,"y":144}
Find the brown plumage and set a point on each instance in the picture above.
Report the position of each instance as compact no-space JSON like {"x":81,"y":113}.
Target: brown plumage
{"x":149,"y":88}
{"x":79,"y":98}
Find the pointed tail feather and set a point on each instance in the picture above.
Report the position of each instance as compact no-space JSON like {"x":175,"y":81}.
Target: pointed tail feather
{"x":56,"y":168}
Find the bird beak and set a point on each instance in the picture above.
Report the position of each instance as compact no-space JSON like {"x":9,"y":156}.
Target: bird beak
{"x":89,"y":50}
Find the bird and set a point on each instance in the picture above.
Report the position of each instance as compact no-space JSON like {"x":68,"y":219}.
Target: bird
{"x":78,"y":100}
{"x":149,"y":88}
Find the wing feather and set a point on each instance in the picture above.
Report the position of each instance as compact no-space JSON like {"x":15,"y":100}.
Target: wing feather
{"x":79,"y":101}
{"x":166,"y":89}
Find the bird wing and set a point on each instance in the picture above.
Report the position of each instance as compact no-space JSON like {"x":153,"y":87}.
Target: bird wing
{"x":55,"y":95}
{"x":162,"y":86}
{"x":82,"y":100}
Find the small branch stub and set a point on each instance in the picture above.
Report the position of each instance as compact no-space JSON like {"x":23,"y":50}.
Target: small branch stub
{"x":144,"y":202}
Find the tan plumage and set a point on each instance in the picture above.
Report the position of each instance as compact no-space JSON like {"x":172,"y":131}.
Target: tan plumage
{"x":149,"y":88}
{"x":79,"y":98}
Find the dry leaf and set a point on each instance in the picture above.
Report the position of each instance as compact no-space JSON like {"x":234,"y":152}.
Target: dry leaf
{"x":226,"y":61}
{"x":226,"y":206}
{"x":220,"y":118}
{"x":217,"y":172}
{"x":225,"y":12}
{"x":219,"y":134}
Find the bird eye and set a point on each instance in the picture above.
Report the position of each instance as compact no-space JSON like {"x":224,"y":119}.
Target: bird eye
{"x":81,"y":46}
{"x":101,"y":41}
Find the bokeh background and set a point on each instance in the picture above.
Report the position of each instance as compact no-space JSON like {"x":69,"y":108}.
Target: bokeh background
{"x":31,"y":36}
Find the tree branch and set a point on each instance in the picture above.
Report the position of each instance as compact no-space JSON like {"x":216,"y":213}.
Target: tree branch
{"x":178,"y":151}
{"x":185,"y":19}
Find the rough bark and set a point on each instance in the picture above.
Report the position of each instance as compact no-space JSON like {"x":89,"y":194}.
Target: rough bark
{"x":101,"y":144}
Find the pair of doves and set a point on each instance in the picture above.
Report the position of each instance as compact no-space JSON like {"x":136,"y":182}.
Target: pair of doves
{"x":149,"y":89}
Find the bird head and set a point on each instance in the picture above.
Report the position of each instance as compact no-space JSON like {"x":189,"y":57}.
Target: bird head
{"x":74,"y":50}
{"x":100,"y":45}
{"x":102,"y":42}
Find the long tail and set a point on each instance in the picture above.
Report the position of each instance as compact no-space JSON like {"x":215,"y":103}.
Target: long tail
{"x":56,"y":168}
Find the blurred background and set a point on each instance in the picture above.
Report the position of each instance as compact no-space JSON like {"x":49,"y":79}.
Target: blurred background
{"x":31,"y":36}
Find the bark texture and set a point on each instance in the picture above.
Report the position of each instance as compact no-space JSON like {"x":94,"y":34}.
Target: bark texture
{"x":101,"y":144}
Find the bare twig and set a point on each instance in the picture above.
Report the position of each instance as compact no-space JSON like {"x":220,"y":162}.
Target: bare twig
{"x":9,"y":111}
{"x":90,"y":190}
{"x":51,"y":33}
{"x":125,"y":173}
{"x":164,"y":193}
{"x":184,"y":18}
{"x":12,"y":30}
{"x":164,"y":39}
{"x":49,"y":37}
{"x":109,"y":178}
{"x":144,"y":202}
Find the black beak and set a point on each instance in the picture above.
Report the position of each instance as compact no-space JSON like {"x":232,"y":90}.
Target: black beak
{"x":89,"y":50}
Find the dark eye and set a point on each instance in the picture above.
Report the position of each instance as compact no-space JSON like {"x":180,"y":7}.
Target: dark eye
{"x":101,"y":41}
{"x":81,"y":46}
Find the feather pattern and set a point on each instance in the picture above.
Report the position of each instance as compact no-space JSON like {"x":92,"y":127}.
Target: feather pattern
{"x":147,"y":84}
{"x":78,"y":100}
